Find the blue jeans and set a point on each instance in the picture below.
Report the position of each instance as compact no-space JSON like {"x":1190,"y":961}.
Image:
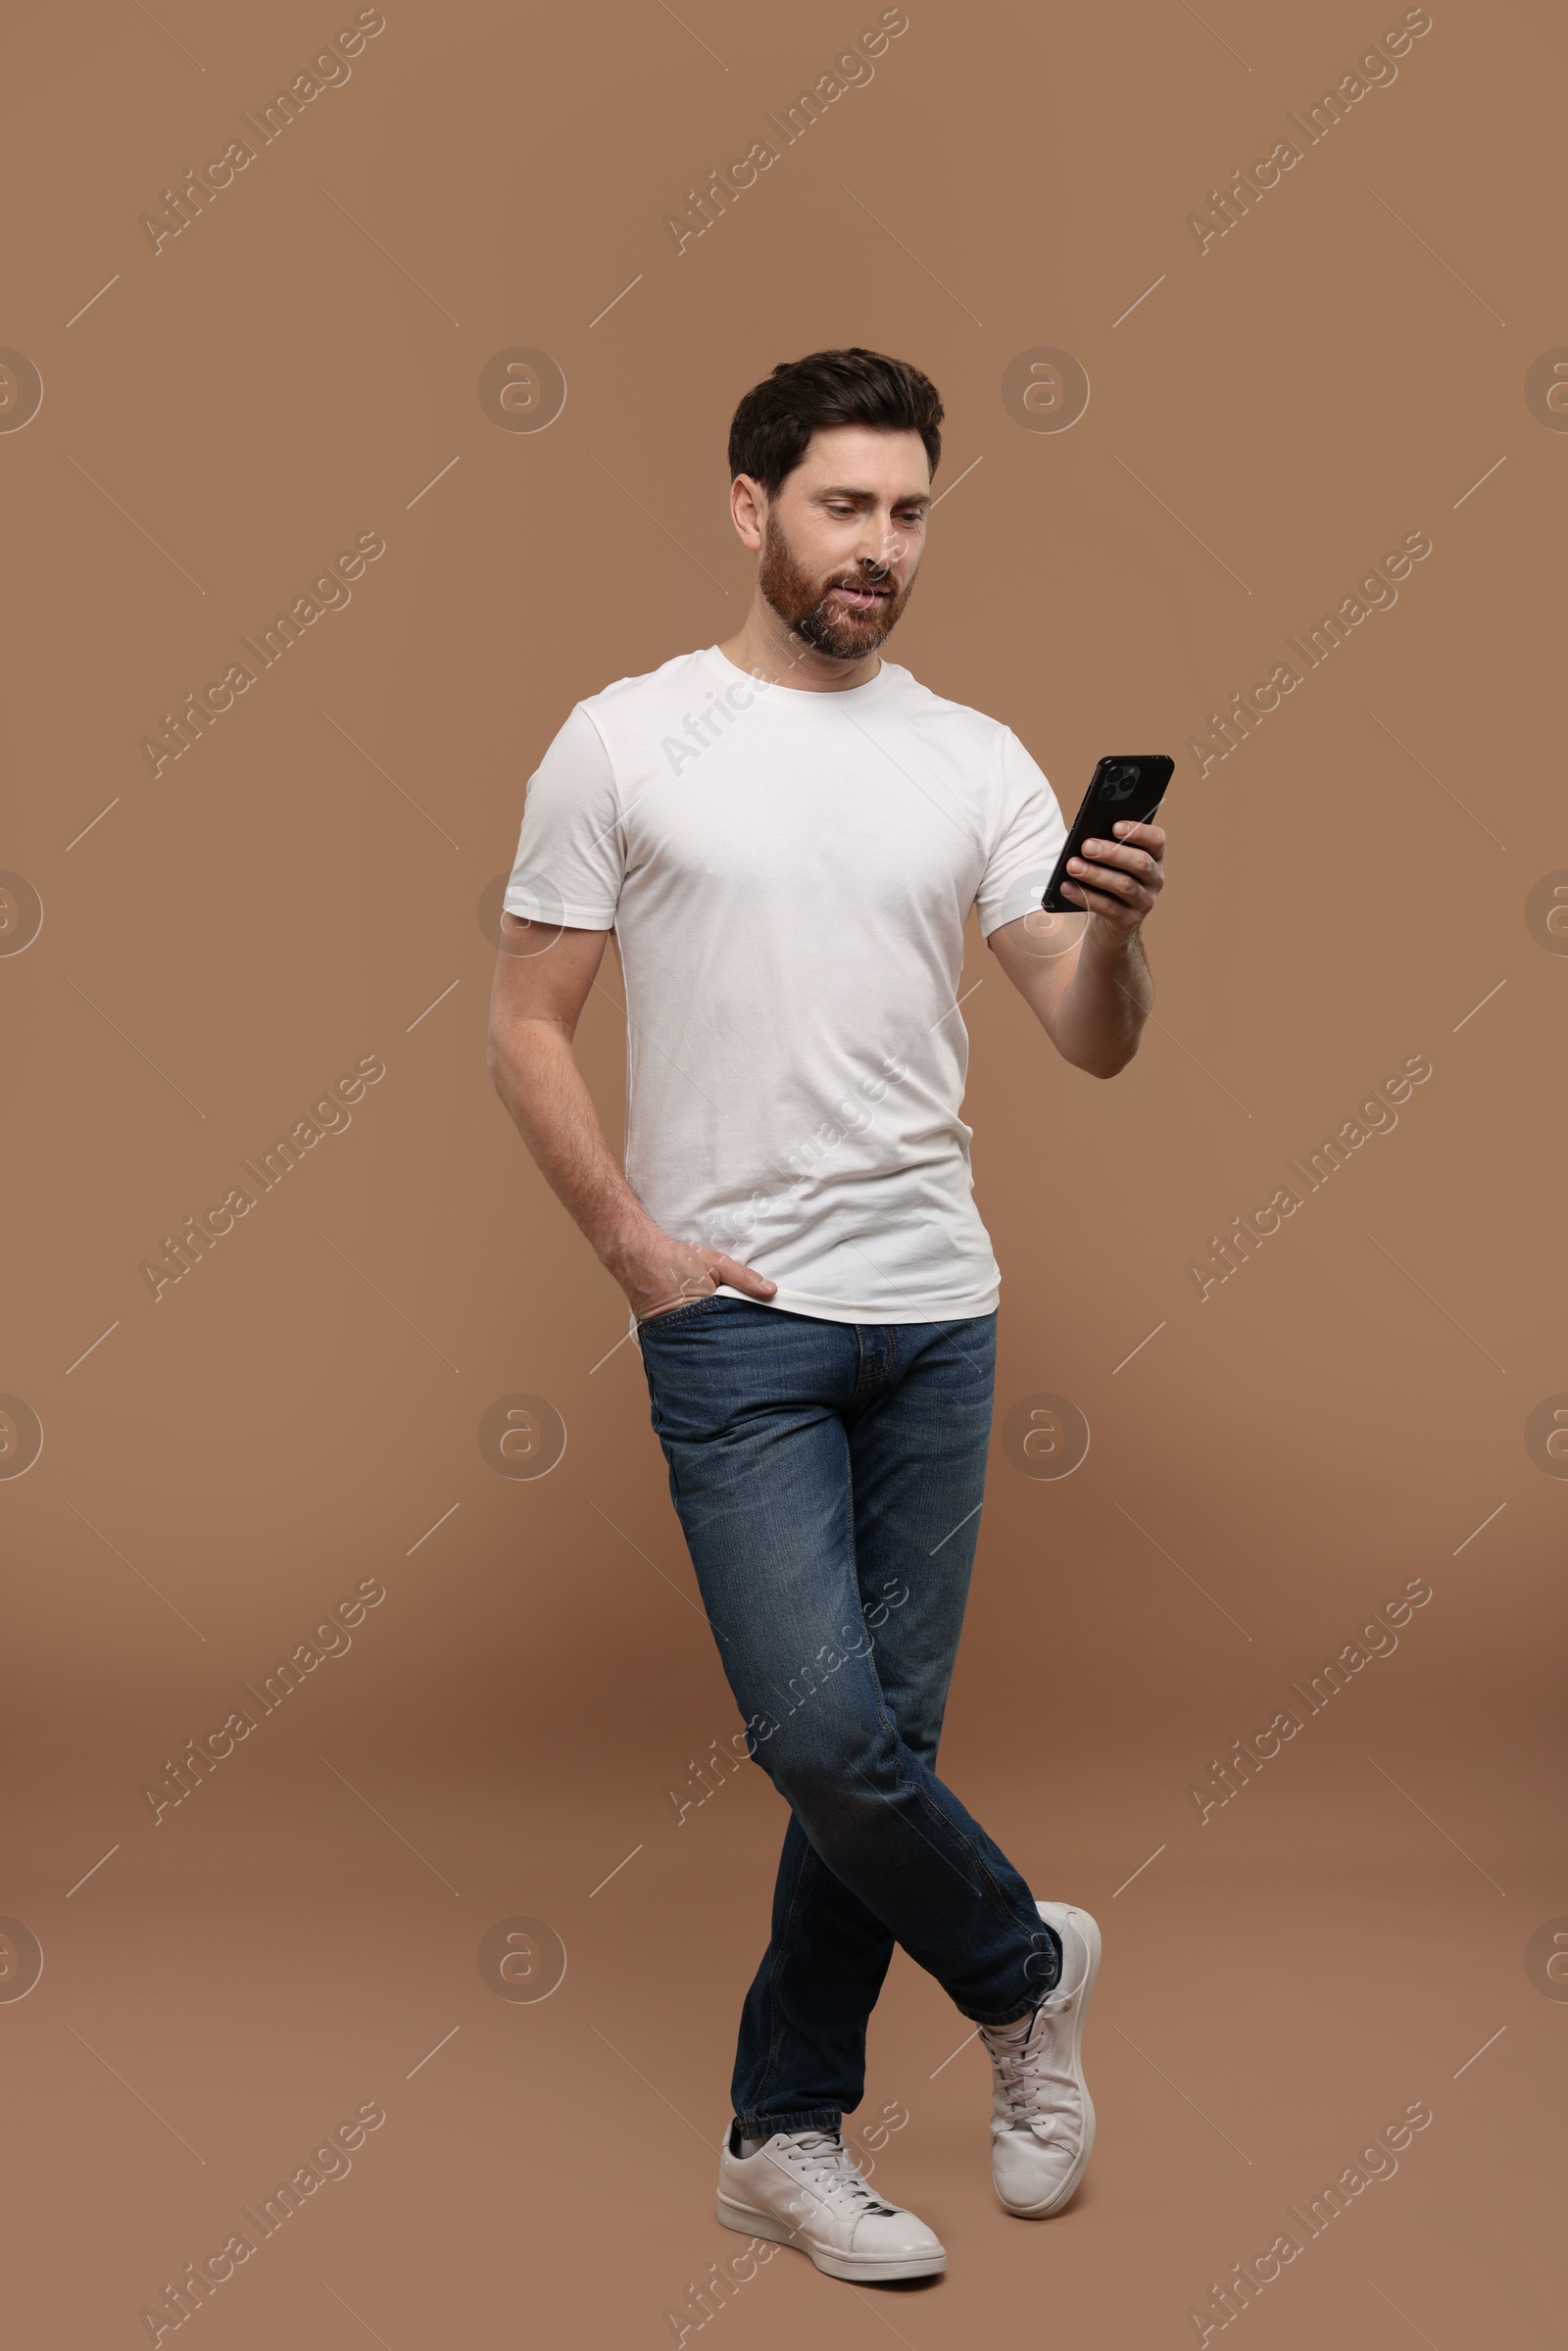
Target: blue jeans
{"x":828,"y":1478}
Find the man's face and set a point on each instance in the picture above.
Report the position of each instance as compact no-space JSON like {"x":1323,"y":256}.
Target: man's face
{"x":843,"y":539}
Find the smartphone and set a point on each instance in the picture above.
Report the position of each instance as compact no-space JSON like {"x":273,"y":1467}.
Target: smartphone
{"x":1119,"y":791}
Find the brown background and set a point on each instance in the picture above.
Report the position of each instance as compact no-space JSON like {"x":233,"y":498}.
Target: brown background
{"x":295,"y":891}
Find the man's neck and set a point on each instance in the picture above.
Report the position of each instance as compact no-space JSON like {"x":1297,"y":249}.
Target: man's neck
{"x":764,"y":646}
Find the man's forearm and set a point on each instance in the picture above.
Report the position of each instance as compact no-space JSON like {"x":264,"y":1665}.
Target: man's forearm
{"x":1103,"y":1010}
{"x":537,"y":1077}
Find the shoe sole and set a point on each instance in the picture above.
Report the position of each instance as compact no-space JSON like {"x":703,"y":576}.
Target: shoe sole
{"x":1089,"y":1928}
{"x":834,"y":2265}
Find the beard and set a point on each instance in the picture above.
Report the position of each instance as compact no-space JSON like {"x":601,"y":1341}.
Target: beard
{"x":811,"y":612}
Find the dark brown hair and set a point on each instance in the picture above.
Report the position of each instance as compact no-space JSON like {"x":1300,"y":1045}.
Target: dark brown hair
{"x":775,"y":420}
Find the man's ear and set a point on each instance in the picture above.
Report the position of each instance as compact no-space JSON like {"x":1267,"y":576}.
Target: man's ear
{"x":748,"y":506}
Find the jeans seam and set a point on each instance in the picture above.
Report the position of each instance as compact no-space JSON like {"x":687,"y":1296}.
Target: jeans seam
{"x":978,"y":1858}
{"x":781,"y":1947}
{"x":987,"y":1882}
{"x":936,"y":1811}
{"x":999,"y":1899}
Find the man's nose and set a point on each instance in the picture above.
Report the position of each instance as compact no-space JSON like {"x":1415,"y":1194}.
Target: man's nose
{"x":881,"y":546}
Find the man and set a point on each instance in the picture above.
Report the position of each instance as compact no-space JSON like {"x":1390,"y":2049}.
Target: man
{"x":787,"y":834}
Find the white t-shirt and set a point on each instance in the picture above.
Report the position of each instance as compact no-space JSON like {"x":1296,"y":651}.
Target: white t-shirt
{"x":788,"y":875}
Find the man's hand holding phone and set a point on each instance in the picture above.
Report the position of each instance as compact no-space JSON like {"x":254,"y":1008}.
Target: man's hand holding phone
{"x":1110,"y":864}
{"x":1118,"y":881}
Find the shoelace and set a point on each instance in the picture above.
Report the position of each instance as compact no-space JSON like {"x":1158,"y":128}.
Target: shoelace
{"x":1022,"y":2067}
{"x":828,"y":2164}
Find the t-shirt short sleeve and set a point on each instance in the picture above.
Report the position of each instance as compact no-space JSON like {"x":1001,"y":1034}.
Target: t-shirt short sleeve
{"x":572,"y":850}
{"x":1028,"y":841}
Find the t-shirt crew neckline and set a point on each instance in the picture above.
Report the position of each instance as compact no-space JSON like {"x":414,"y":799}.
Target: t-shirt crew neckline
{"x":850,"y":696}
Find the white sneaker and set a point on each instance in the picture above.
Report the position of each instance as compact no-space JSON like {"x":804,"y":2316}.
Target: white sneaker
{"x":1042,"y":2115}
{"x":803,"y":2188}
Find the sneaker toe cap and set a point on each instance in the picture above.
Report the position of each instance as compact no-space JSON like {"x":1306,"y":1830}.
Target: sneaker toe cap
{"x":896,"y":2237}
{"x":1029,"y":2171}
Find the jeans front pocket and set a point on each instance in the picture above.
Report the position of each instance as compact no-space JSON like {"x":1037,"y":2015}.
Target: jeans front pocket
{"x":676,"y":1313}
